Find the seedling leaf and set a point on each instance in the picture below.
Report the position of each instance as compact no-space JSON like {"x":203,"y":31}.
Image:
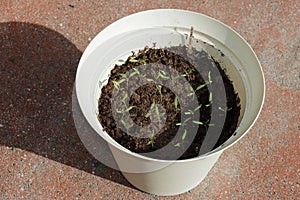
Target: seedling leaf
{"x":201,"y":86}
{"x":130,"y":108}
{"x":209,"y":77}
{"x":176,"y":102}
{"x":198,"y":122}
{"x":184,"y":134}
{"x":210,"y":97}
{"x":133,"y":60}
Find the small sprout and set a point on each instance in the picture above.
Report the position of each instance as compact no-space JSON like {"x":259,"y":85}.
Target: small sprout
{"x":208,"y":124}
{"x":130,"y":108}
{"x":135,"y":72}
{"x":198,"y":122}
{"x":201,"y":86}
{"x":184,"y":123}
{"x":119,"y":111}
{"x":198,"y":107}
{"x":176,"y":102}
{"x":182,"y":139}
{"x":189,"y":112}
{"x":123,"y":76}
{"x":184,"y":134}
{"x":143,"y":62}
{"x":116,"y":84}
{"x":175,"y":77}
{"x":210,"y":97}
{"x":125,"y":97}
{"x":159,"y":115}
{"x":226,"y":109}
{"x":132,"y":60}
{"x":148,"y":114}
{"x":162,"y":74}
{"x":151,"y":108}
{"x":150,"y":80}
{"x":186,"y":73}
{"x":127,"y":126}
{"x":191,"y":91}
{"x":152,"y":105}
{"x":159,"y":91}
{"x":127,"y":110}
{"x":156,"y":110}
{"x":132,"y":74}
{"x":177,"y":145}
{"x":121,"y":81}
{"x":209,"y":78}
{"x":151,"y":141}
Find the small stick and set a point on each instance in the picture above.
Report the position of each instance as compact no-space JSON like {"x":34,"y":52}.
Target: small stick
{"x":190,"y":40}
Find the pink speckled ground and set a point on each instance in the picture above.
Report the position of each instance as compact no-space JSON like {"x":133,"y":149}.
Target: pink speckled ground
{"x":41,"y":156}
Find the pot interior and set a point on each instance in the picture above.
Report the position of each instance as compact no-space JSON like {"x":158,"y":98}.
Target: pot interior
{"x":118,"y":48}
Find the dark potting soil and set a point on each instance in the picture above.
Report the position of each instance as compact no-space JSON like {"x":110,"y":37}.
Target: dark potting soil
{"x":214,"y":118}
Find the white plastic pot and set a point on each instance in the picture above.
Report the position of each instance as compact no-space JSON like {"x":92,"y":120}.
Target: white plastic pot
{"x":165,"y":177}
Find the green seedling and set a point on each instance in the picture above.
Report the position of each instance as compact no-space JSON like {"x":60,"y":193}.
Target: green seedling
{"x":162,"y":74}
{"x":116,"y":84}
{"x":176,"y":103}
{"x":184,"y":135}
{"x":201,"y":86}
{"x":191,"y":91}
{"x":123,"y":76}
{"x":125,"y":111}
{"x":198,"y":122}
{"x":182,"y":139}
{"x":159,"y":115}
{"x":209,"y":78}
{"x":127,"y":126}
{"x":125,"y":97}
{"x":143,"y":62}
{"x":226,"y":109}
{"x":206,"y":83}
{"x":208,"y":124}
{"x":175,"y":77}
{"x":210,"y":98}
{"x":158,"y":87}
{"x":150,"y":80}
{"x":135,"y":72}
{"x":186,"y":73}
{"x":191,"y":112}
{"x":183,"y":123}
{"x":153,"y":105}
{"x":151,"y":141}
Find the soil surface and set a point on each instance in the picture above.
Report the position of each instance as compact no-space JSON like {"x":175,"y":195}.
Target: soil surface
{"x":162,"y":111}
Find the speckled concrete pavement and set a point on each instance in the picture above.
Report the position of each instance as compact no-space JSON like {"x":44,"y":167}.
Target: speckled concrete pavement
{"x":41,"y":156}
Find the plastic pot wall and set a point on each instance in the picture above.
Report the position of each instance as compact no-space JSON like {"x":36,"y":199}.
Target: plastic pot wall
{"x":165,"y":177}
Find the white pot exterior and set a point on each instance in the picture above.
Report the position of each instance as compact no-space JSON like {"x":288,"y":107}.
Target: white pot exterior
{"x":174,"y":178}
{"x":163,"y":177}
